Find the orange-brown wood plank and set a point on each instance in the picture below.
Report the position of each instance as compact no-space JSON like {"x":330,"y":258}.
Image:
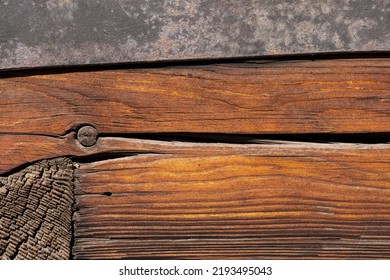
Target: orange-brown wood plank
{"x":20,"y":150}
{"x":236,"y":201}
{"x":342,"y":95}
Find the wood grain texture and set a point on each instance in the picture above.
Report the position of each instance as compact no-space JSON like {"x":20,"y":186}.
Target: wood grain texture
{"x":36,"y":211}
{"x":343,"y":95}
{"x":20,"y":150}
{"x":170,"y":199}
{"x":295,"y":201}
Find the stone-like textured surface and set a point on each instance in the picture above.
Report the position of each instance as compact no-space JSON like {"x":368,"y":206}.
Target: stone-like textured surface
{"x":36,"y":211}
{"x":74,"y":32}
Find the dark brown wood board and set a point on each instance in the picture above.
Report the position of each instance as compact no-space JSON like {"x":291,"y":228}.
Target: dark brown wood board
{"x":198,"y":161}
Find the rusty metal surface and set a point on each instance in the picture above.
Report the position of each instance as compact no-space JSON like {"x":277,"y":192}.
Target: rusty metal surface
{"x":74,"y":32}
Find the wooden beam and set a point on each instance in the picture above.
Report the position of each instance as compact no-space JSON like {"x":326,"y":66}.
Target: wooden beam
{"x":323,"y":96}
{"x":314,"y":201}
{"x":171,"y":199}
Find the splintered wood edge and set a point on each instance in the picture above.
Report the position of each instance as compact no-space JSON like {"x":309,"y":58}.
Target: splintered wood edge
{"x":36,"y":211}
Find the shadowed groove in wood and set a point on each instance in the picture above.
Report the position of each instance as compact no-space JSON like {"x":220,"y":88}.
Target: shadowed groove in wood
{"x":36,"y":211}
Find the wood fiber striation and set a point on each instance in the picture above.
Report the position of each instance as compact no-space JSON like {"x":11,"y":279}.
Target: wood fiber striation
{"x":292,"y":201}
{"x":36,"y":211}
{"x":324,"y":96}
{"x":160,"y":173}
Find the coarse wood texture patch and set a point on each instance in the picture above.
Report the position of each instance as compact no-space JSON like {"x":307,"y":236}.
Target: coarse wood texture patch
{"x":343,"y":95}
{"x":36,"y":211}
{"x":205,"y":201}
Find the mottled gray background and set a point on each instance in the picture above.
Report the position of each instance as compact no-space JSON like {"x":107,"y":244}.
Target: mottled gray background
{"x":72,"y":32}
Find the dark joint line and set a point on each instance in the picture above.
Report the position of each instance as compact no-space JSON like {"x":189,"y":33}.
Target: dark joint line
{"x":53,"y":70}
{"x":353,"y":138}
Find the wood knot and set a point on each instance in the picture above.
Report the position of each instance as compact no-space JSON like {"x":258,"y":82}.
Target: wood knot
{"x":87,"y":135}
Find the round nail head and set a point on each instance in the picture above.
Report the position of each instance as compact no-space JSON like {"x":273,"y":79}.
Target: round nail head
{"x":87,"y":135}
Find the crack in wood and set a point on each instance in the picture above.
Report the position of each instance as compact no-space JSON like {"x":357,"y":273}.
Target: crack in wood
{"x":228,"y":138}
{"x":17,"y":152}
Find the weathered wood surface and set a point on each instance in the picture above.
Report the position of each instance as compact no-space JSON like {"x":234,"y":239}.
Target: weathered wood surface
{"x":236,"y":201}
{"x":19,"y":150}
{"x":350,"y":95}
{"x":171,"y":199}
{"x":36,"y":211}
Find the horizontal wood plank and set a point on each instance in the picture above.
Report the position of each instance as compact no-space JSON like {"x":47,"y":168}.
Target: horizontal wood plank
{"x":343,"y":95}
{"x":20,"y":150}
{"x":298,"y":201}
